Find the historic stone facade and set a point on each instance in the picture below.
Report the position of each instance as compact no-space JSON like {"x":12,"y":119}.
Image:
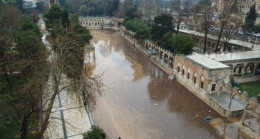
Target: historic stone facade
{"x":100,"y":22}
{"x":245,"y":65}
{"x":200,"y":80}
{"x":243,"y":5}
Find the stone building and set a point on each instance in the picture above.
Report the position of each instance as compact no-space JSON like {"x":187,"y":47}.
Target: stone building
{"x":205,"y":78}
{"x":201,"y":72}
{"x":243,"y":6}
{"x":100,"y":22}
{"x":245,"y":65}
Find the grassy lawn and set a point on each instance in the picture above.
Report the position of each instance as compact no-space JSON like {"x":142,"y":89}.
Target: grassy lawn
{"x":253,"y":88}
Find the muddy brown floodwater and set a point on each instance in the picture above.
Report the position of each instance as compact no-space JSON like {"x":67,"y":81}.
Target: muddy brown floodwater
{"x":140,"y":102}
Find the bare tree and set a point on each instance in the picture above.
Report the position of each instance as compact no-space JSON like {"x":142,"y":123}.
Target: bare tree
{"x":205,"y":14}
{"x":229,"y":22}
{"x":231,"y":30}
{"x":66,"y":72}
{"x":148,"y":9}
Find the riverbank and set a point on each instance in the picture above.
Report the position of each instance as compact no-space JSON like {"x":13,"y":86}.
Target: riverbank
{"x":141,"y":102}
{"x":210,"y":101}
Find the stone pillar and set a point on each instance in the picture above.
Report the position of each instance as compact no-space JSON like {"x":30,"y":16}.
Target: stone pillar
{"x":243,"y":71}
{"x":221,"y":48}
{"x":254,"y":69}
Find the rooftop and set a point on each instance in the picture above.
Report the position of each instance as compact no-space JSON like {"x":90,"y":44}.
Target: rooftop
{"x":235,"y":56}
{"x":223,"y":99}
{"x":206,"y":61}
{"x":232,"y":41}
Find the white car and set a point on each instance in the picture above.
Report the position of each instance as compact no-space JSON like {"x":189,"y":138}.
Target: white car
{"x":257,"y":35}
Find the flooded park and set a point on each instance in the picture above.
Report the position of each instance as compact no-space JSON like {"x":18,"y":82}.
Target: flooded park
{"x":140,"y":102}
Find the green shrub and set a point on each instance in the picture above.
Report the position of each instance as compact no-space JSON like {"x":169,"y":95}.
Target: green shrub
{"x":95,"y":133}
{"x":182,"y":44}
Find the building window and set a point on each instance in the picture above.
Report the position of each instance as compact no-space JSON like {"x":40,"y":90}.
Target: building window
{"x":194,"y":80}
{"x":178,"y":69}
{"x":183,"y":71}
{"x":201,"y":85}
{"x":188,"y":75}
{"x":213,"y":88}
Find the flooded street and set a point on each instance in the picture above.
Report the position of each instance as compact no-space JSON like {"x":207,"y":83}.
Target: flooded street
{"x":140,"y":102}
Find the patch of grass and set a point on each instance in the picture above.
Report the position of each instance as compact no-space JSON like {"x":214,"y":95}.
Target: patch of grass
{"x":253,"y":88}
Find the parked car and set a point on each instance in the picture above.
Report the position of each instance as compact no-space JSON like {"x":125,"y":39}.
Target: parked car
{"x":240,"y":33}
{"x":257,"y":35}
{"x":217,"y":29}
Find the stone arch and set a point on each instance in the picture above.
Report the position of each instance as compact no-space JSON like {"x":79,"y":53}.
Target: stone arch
{"x":202,"y":84}
{"x":238,"y":69}
{"x":188,"y":73}
{"x":161,"y":55}
{"x":165,"y":58}
{"x":178,"y":67}
{"x":257,"y":69}
{"x":230,"y":65}
{"x":183,"y":70}
{"x":249,"y":69}
{"x":171,"y":62}
{"x":195,"y":78}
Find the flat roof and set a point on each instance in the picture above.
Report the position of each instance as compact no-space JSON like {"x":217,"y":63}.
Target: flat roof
{"x":206,"y":61}
{"x":246,"y":55}
{"x":223,"y":99}
{"x":232,"y":41}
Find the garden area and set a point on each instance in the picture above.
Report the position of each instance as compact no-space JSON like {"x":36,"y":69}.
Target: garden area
{"x":253,"y":88}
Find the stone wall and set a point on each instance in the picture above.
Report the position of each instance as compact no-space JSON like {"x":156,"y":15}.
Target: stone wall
{"x":202,"y":74}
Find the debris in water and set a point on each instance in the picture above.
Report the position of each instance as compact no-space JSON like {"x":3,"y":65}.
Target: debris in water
{"x":195,"y":116}
{"x":207,"y":119}
{"x":155,"y":104}
{"x":145,"y":97}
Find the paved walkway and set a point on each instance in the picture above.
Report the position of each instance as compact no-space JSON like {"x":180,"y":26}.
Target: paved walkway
{"x":232,"y":41}
{"x":69,"y":118}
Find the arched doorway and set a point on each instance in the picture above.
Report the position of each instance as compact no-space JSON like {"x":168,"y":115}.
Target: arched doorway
{"x":249,"y":69}
{"x":257,"y":69}
{"x":238,"y":69}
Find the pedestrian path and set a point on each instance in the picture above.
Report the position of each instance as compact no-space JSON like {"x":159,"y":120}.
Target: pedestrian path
{"x":69,"y":118}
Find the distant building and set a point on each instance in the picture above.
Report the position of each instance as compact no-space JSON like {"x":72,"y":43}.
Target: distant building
{"x":29,"y":3}
{"x":243,"y":6}
{"x":52,"y":2}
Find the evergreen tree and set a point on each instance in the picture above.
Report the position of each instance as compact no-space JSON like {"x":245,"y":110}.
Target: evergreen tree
{"x":162,"y":24}
{"x":250,"y":18}
{"x":65,"y":19}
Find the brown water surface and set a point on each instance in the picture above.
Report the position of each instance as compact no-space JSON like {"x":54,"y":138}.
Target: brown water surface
{"x":140,"y":102}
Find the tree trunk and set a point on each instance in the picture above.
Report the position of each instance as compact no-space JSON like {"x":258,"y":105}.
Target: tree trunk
{"x":219,"y":37}
{"x":46,"y":118}
{"x":23,"y":128}
{"x":178,"y":27}
{"x":225,"y":46}
{"x":205,"y":41}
